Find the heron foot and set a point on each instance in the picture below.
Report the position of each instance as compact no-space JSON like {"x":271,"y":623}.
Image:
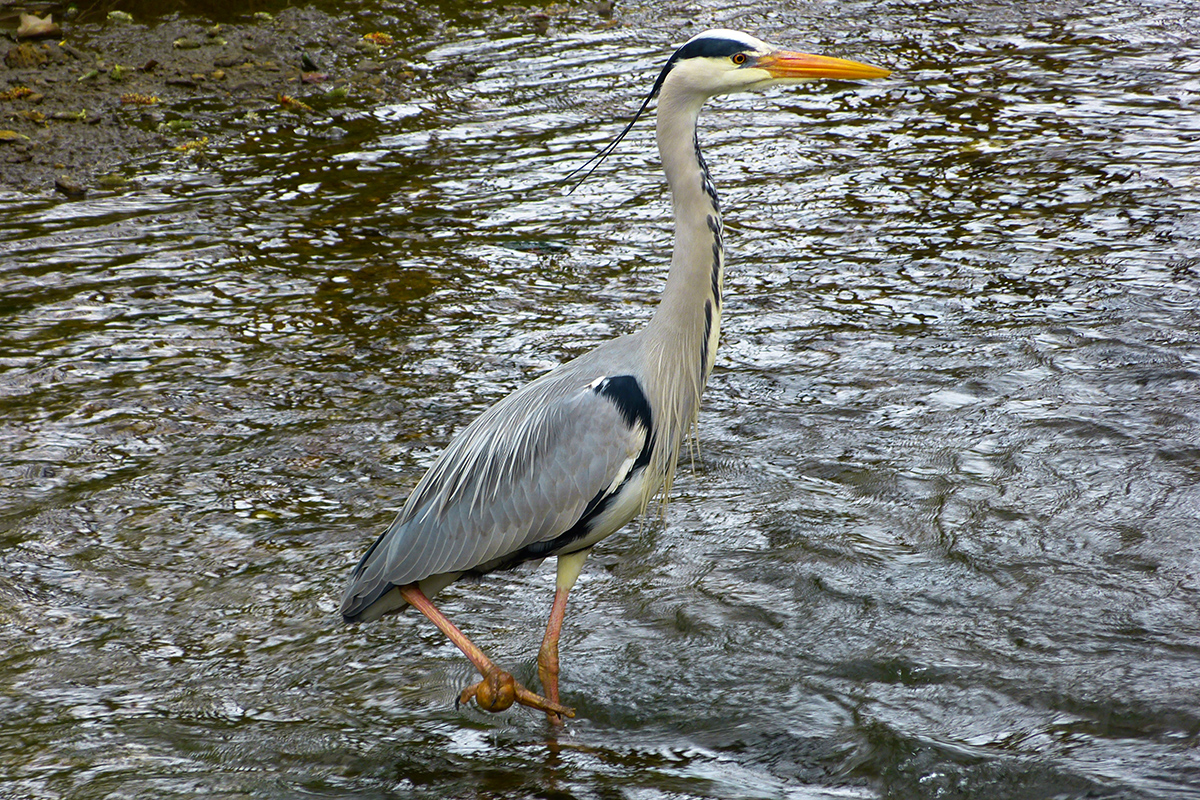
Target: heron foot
{"x":499,"y":690}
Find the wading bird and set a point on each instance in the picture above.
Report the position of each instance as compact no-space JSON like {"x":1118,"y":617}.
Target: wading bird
{"x":570,"y":458}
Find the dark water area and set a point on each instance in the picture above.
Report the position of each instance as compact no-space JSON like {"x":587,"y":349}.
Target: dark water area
{"x":938,"y":537}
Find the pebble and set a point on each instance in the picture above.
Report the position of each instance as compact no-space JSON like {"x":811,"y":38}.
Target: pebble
{"x":25,"y":56}
{"x":69,"y":187}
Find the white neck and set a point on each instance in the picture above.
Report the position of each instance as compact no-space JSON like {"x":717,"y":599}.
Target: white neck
{"x":697,"y":260}
{"x":681,"y":340}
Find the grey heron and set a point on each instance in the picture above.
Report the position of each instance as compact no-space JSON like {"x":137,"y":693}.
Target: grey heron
{"x":573,"y":456}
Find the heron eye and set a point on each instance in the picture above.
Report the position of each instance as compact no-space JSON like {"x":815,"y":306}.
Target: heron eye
{"x":739,"y":58}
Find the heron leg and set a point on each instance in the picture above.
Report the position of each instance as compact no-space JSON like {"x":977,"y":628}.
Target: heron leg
{"x":548,"y":654}
{"x":498,"y":690}
{"x":569,"y":567}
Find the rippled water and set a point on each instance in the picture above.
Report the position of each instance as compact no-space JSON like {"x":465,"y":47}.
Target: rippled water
{"x":940,"y":536}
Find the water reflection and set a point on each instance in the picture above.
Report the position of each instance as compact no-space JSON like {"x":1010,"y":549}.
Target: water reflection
{"x":938,"y":538}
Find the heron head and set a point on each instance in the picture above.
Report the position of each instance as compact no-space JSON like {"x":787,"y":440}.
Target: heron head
{"x":723,"y":61}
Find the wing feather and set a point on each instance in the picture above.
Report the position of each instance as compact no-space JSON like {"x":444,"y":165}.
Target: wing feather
{"x":523,"y":472}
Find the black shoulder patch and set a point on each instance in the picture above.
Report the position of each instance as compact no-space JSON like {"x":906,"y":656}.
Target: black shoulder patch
{"x":626,"y":394}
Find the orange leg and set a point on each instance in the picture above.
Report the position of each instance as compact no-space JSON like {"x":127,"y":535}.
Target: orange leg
{"x":569,"y":567}
{"x":498,"y":690}
{"x":548,"y":655}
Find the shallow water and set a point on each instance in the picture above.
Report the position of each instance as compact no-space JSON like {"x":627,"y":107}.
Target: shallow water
{"x":939,"y":539}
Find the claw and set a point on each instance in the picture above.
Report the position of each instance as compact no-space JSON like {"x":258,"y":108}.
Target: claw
{"x":499,"y":690}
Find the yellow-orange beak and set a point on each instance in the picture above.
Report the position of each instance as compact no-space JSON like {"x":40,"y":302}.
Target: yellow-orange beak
{"x":799,"y":66}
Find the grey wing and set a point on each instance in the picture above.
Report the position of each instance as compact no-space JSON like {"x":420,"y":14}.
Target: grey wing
{"x":525,"y":471}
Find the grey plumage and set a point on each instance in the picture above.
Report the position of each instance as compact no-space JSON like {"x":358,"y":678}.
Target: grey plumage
{"x":521,"y":474}
{"x":572,"y":457}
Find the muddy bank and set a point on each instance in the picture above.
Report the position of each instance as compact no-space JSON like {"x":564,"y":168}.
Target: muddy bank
{"x":77,"y":109}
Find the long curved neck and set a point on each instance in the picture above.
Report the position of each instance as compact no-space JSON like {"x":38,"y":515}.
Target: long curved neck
{"x":698,"y":258}
{"x":681,"y":339}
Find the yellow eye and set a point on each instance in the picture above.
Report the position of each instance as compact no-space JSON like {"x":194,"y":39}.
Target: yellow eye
{"x":739,"y":58}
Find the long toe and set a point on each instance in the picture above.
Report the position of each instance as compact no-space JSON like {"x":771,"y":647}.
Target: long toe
{"x":528,"y":698}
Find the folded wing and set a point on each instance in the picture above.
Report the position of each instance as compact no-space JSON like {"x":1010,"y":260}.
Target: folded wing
{"x":524,"y":472}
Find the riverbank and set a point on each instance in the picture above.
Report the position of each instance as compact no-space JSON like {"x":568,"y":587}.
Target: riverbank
{"x":76,"y":110}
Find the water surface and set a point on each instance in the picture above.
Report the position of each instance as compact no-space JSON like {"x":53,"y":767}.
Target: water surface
{"x":938,"y":537}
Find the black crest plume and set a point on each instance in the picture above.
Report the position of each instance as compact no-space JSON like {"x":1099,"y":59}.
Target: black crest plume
{"x":607,"y":150}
